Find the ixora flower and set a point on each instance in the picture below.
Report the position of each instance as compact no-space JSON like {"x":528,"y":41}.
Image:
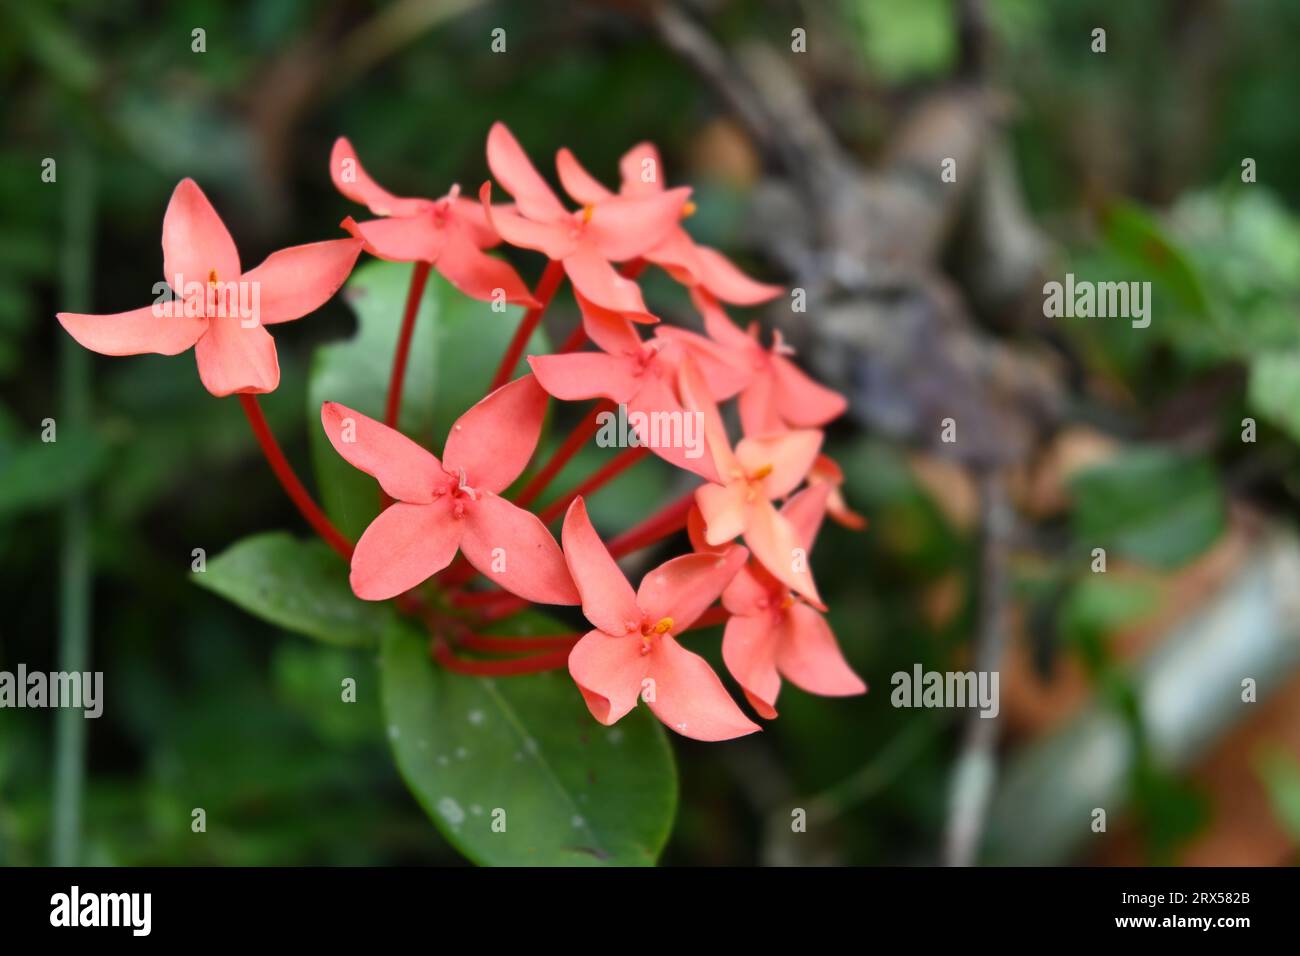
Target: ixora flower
{"x":676,"y":253}
{"x":640,"y":376}
{"x":615,"y":229}
{"x":632,"y":652}
{"x":219,"y":309}
{"x":454,"y":504}
{"x":780,"y":395}
{"x":759,"y":469}
{"x":448,"y":233}
{"x":772,"y":633}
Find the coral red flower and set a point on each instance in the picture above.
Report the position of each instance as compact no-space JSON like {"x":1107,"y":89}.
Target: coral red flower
{"x":772,"y":633}
{"x":632,"y":651}
{"x":759,"y":469}
{"x":443,"y":506}
{"x":448,"y":233}
{"x":780,"y":395}
{"x":220,"y":309}
{"x":587,"y":241}
{"x":677,"y":253}
{"x":641,"y":376}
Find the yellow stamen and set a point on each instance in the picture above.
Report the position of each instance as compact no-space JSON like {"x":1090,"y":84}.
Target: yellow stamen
{"x":212,"y":277}
{"x":664,"y":626}
{"x":587,"y":212}
{"x":688,"y":209}
{"x":788,"y":602}
{"x":761,"y":473}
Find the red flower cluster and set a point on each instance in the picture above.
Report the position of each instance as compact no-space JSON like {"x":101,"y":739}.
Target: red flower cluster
{"x":771,"y":489}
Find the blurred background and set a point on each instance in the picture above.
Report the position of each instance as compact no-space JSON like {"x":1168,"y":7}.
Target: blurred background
{"x":1165,"y":690}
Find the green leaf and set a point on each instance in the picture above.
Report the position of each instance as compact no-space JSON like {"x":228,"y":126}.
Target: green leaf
{"x":1273,"y":389}
{"x":301,"y":586}
{"x":1134,"y":235}
{"x":1154,"y":506}
{"x":1281,"y":775}
{"x":524,"y":751}
{"x":40,"y":474}
{"x":457,"y":344}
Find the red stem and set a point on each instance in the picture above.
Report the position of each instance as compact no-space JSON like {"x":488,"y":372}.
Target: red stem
{"x":492,"y":643}
{"x":289,"y":480}
{"x":668,"y":520}
{"x":546,"y":286}
{"x":572,"y":445}
{"x":519,"y":665}
{"x":419,"y":276}
{"x":575,"y":340}
{"x":612,"y":469}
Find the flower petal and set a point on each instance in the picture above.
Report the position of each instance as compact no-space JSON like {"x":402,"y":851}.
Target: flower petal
{"x":654,"y":414}
{"x":720,"y":277}
{"x":641,"y":171}
{"x":582,"y":375}
{"x":696,"y":397}
{"x":137,"y":331}
{"x":808,"y":654}
{"x":724,"y":372}
{"x":749,"y":651}
{"x":493,"y":441}
{"x":775,"y":543}
{"x":612,"y":331}
{"x":608,"y":672}
{"x":689,"y":697}
{"x":581,"y":186}
{"x":599,"y":282}
{"x":351,"y":179}
{"x":724,"y":509}
{"x":750,"y":591}
{"x":405,"y":546}
{"x":721,"y":329}
{"x":233,"y":359}
{"x":789,"y":456}
{"x":554,"y":238}
{"x":473,"y":218}
{"x":607,"y":599}
{"x":624,"y":227}
{"x":757,"y":406}
{"x":400,"y":239}
{"x":404,"y":470}
{"x":682,"y":588}
{"x":805,"y":511}
{"x":802,"y":402}
{"x":513,"y":548}
{"x":296,"y":281}
{"x":826,"y":470}
{"x":478,"y":274}
{"x":195,"y":241}
{"x":517,"y":175}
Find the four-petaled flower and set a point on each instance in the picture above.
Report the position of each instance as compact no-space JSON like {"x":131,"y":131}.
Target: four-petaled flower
{"x":779,"y":395}
{"x":220,"y":309}
{"x":772,"y":633}
{"x":448,"y":233}
{"x":587,"y":241}
{"x":759,"y":469}
{"x":640,"y":375}
{"x":632,"y":652}
{"x":676,"y":253}
{"x":442,"y":506}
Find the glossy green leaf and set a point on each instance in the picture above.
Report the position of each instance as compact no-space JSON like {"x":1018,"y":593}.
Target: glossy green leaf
{"x":523,"y":753}
{"x":301,"y":586}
